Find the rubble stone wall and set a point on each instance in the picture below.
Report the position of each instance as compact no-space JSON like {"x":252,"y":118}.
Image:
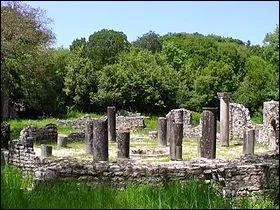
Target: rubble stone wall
{"x":239,"y":119}
{"x":189,"y":130}
{"x":122,"y":123}
{"x":128,"y":123}
{"x":268,"y":132}
{"x":248,"y":174}
{"x":30,"y":134}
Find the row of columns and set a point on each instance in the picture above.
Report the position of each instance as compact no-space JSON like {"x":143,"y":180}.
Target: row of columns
{"x":167,"y":128}
{"x":99,"y":132}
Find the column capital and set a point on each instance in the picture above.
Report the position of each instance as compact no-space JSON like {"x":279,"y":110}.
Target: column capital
{"x":224,"y":95}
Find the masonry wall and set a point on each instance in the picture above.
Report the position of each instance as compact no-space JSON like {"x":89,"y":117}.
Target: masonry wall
{"x":239,"y":119}
{"x":235,"y":177}
{"x":268,"y":132}
{"x":189,"y":130}
{"x":122,"y":123}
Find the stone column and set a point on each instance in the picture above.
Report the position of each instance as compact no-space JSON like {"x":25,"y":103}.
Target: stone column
{"x":100,"y":140}
{"x":123,"y":144}
{"x":224,"y":118}
{"x":248,"y":141}
{"x":46,"y":151}
{"x":161,"y":131}
{"x":61,"y":140}
{"x":168,"y":127}
{"x":207,"y":142}
{"x":176,"y":141}
{"x":89,"y":138}
{"x":111,"y":113}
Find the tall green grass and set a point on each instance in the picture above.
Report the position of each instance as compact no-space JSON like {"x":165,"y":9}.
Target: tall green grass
{"x":78,"y":194}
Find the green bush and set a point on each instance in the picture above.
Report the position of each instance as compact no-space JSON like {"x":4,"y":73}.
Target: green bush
{"x":151,"y":122}
{"x":257,"y":118}
{"x":196,"y":118}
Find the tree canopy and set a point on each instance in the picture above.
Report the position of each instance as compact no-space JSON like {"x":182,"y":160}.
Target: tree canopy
{"x":151,"y":74}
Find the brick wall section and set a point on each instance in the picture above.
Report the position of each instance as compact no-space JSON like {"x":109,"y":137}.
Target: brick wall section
{"x":251,"y":174}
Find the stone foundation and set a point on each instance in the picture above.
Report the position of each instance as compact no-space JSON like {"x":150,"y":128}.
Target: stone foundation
{"x":245,"y":175}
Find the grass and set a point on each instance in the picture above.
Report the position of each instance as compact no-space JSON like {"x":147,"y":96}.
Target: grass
{"x":190,"y":149}
{"x":192,"y":194}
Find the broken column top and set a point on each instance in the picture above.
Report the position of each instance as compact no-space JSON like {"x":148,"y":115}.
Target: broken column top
{"x":224,"y":94}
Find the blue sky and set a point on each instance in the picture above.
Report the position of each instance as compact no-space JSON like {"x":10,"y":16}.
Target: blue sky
{"x":242,"y":20}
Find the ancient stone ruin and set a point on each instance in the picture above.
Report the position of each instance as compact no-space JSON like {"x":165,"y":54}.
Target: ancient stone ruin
{"x":239,"y":120}
{"x":247,"y":174}
{"x":268,"y":132}
{"x":188,"y":129}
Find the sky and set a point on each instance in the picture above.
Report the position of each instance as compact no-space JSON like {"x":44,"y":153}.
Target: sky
{"x":244,"y":20}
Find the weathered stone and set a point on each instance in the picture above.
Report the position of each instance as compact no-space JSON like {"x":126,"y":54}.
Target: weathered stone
{"x":128,"y":123}
{"x":111,"y":113}
{"x":61,"y":140}
{"x":100,"y":140}
{"x":239,"y":119}
{"x":176,"y":141}
{"x":224,"y":118}
{"x":123,"y":138}
{"x":248,"y":141}
{"x":161,"y":131}
{"x":270,"y":124}
{"x":46,"y":151}
{"x":89,"y":138}
{"x":208,"y":139}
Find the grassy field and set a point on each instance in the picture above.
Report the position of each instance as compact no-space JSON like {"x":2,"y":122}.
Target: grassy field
{"x":194,"y":194}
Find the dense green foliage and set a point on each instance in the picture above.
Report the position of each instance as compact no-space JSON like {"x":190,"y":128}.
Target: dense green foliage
{"x":194,"y":194}
{"x":152,"y":74}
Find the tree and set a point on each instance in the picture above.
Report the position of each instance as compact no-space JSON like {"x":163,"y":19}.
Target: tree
{"x":104,"y":47}
{"x":150,"y":41}
{"x":56,"y":68}
{"x":271,"y":49}
{"x":258,"y":85}
{"x":25,"y":37}
{"x":79,"y":46}
{"x":80,"y":81}
{"x":140,"y":81}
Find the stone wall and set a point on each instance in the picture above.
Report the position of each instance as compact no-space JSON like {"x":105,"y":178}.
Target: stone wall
{"x":248,"y":174}
{"x":31,"y":133}
{"x":239,"y":119}
{"x":122,"y":123}
{"x":267,"y":133}
{"x":189,"y":130}
{"x":128,"y":123}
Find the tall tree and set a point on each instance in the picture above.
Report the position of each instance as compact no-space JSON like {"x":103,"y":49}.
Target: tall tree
{"x":25,"y":37}
{"x":150,"y":41}
{"x":104,"y":47}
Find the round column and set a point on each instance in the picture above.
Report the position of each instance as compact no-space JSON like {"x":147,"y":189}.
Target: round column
{"x":224,"y":118}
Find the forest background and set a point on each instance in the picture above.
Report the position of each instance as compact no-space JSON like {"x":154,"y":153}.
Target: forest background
{"x":152,"y":74}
